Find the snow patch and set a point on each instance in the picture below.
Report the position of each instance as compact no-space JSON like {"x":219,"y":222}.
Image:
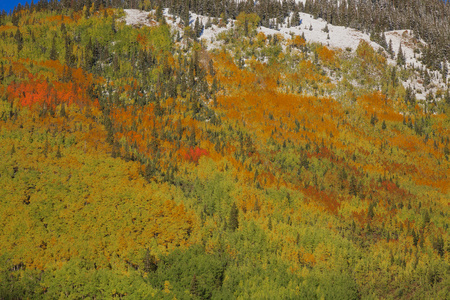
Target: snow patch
{"x":135,"y":17}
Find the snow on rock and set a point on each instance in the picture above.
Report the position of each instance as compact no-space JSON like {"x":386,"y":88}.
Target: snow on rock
{"x":338,"y":37}
{"x":137,"y":17}
{"x":408,"y":42}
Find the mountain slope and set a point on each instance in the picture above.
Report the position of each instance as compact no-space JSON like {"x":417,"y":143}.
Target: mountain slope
{"x":144,"y":158}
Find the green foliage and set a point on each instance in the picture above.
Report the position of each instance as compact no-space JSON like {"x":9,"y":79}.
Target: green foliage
{"x":246,"y":23}
{"x":191,"y":273}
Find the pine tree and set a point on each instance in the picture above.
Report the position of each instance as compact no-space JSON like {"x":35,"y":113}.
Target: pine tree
{"x":295,"y":19}
{"x":159,"y":12}
{"x":353,"y":186}
{"x":185,"y":16}
{"x":390,"y":50}
{"x":194,"y":286}
{"x":58,"y":153}
{"x":410,"y":98}
{"x":444,"y":70}
{"x":53,"y":52}
{"x":394,"y":78}
{"x":415,"y":238}
{"x":15,"y":19}
{"x":383,"y":42}
{"x":401,"y":60}
{"x":197,"y":29}
{"x":113,"y":25}
{"x":2,"y":72}
{"x":19,"y":39}
{"x":370,"y":212}
{"x":426,"y":79}
{"x":46,"y":148}
{"x":149,"y":262}
{"x":234,"y":218}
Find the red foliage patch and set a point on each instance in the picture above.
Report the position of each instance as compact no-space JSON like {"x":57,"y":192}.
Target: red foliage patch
{"x":194,"y":154}
{"x":329,"y":201}
{"x":42,"y":93}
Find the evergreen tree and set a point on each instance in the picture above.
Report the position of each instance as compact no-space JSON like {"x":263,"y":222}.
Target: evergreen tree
{"x":185,"y":16}
{"x":194,"y":286}
{"x":353,"y":186}
{"x":197,"y":28}
{"x":401,"y":60}
{"x":53,"y":51}
{"x":159,"y":12}
{"x":46,"y":148}
{"x":394,"y":78}
{"x":2,"y":72}
{"x":19,"y":39}
{"x":383,"y":42}
{"x":295,"y":19}
{"x":370,"y":212}
{"x":410,"y":98}
{"x":15,"y":18}
{"x":58,"y":153}
{"x":426,"y":79}
{"x":390,"y":50}
{"x":113,"y":25}
{"x":149,"y":261}
{"x":444,"y":70}
{"x":69,"y":58}
{"x":234,"y":218}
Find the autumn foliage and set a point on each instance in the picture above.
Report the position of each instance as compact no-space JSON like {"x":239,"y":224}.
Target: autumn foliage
{"x":162,"y":169}
{"x":194,"y":154}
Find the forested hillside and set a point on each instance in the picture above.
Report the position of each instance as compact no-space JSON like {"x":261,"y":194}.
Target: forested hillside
{"x":148,"y":161}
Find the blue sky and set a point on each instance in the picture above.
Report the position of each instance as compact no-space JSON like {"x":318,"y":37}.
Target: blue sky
{"x":10,"y":4}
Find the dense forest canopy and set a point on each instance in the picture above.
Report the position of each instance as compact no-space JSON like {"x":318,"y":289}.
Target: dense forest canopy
{"x":146,"y":162}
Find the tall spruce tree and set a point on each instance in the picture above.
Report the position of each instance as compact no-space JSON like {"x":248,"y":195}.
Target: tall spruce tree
{"x":53,"y":51}
{"x":233,"y":221}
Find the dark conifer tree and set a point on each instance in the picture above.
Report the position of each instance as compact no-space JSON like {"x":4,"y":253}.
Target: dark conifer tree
{"x":19,"y":39}
{"x":185,"y":16}
{"x":234,"y":218}
{"x":401,"y":60}
{"x":390,"y":50}
{"x":194,"y":286}
{"x":2,"y":72}
{"x":53,"y":51}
